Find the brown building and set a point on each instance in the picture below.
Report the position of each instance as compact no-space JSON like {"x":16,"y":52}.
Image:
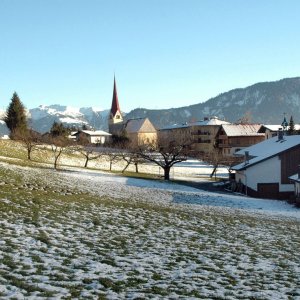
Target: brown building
{"x":234,"y":137}
{"x":200,"y":135}
{"x":140,"y":131}
{"x":175,"y":133}
{"x":204,"y":134}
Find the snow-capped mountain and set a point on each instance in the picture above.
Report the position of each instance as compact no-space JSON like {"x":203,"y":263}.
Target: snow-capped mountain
{"x":42,"y":117}
{"x":3,"y":129}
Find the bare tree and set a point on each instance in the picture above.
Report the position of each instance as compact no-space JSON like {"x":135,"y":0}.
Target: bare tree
{"x":132,"y":157}
{"x":87,"y":149}
{"x":29,"y":138}
{"x":217,"y":159}
{"x":59,"y":144}
{"x":114,"y":155}
{"x":165,"y":154}
{"x":90,"y":153}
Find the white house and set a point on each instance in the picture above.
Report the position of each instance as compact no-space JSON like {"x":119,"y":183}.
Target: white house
{"x":296,"y":180}
{"x":93,"y":137}
{"x":272,"y":130}
{"x":267,"y":167}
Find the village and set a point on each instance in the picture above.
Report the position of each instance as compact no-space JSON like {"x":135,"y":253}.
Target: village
{"x":149,"y":150}
{"x":263,"y":160}
{"x":74,"y":225}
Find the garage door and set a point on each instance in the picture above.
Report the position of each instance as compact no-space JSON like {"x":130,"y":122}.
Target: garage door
{"x":268,"y":190}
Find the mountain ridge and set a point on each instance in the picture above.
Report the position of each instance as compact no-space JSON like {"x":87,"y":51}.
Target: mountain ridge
{"x":262,"y":102}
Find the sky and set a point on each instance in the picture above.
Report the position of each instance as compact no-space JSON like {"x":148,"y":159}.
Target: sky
{"x":164,"y":53}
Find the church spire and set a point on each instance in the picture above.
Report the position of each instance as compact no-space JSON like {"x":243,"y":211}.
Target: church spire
{"x":115,"y":112}
{"x":115,"y":107}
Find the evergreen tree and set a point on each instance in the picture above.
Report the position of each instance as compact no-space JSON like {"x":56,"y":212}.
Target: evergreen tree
{"x":58,"y":129}
{"x":291,"y":129}
{"x":15,"y":118}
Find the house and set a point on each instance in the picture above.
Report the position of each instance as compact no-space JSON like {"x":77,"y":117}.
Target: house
{"x":92,"y":137}
{"x":272,"y":130}
{"x":234,"y":137}
{"x":267,"y":167}
{"x":201,"y":134}
{"x":175,"y":132}
{"x":296,"y":180}
{"x":140,"y":131}
{"x":204,"y":134}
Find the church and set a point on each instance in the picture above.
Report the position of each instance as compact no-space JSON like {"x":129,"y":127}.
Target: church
{"x":139,"y":131}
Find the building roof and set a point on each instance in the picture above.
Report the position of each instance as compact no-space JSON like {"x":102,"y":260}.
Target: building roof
{"x":295,"y":178}
{"x":210,"y":121}
{"x":267,"y":149}
{"x":242,"y":129}
{"x":115,"y":107}
{"x":176,"y":126}
{"x":275,"y":128}
{"x":139,"y":125}
{"x":93,"y":133}
{"x":206,"y":122}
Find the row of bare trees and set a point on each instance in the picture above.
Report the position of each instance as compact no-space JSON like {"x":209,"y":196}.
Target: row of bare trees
{"x":164,"y":153}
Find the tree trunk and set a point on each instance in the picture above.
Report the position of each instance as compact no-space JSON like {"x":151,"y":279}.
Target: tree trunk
{"x":128,"y":163}
{"x":110,"y":165}
{"x":29,"y":154}
{"x":167,"y":173}
{"x":214,"y":171}
{"x":55,"y":162}
{"x":136,"y":167}
{"x":86,"y":162}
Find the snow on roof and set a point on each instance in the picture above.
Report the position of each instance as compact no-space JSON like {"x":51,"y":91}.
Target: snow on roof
{"x":295,"y":177}
{"x":271,"y":127}
{"x":277,"y":127}
{"x":267,"y":149}
{"x":242,"y":129}
{"x":139,"y":125}
{"x":211,"y":121}
{"x":93,"y":133}
{"x":175,"y":126}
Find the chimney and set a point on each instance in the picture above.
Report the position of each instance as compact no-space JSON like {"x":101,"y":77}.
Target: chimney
{"x":246,"y":157}
{"x":280,"y":134}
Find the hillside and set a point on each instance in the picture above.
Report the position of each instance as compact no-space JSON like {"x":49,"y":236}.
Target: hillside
{"x":263,"y":102}
{"x":88,"y":234}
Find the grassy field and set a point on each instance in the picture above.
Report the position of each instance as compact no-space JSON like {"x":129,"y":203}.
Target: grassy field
{"x":59,"y":240}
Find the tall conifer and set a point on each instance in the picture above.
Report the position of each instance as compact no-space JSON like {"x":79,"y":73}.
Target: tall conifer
{"x":15,"y":118}
{"x":291,"y":129}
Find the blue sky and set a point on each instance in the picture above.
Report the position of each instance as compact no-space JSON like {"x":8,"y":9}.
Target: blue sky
{"x":165,"y":53}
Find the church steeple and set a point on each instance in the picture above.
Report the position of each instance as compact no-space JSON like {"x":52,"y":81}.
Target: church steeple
{"x":115,"y":112}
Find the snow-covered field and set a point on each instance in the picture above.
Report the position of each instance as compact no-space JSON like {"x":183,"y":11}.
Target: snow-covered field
{"x":85,"y":234}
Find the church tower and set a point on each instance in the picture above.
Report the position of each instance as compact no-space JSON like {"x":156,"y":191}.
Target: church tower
{"x":115,"y":115}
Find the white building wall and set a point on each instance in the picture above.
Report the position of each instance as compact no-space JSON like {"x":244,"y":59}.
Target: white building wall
{"x":98,"y":139}
{"x":268,"y":171}
{"x":297,"y":189}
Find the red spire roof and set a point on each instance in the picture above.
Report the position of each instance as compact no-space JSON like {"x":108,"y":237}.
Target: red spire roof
{"x":115,"y":107}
